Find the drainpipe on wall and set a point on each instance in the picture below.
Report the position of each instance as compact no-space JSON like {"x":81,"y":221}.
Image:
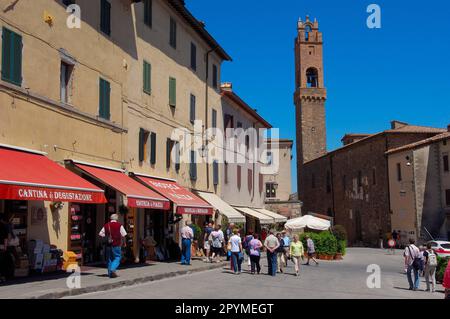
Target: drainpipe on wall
{"x":205,"y":127}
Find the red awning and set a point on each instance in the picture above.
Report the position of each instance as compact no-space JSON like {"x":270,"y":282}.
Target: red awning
{"x":27,"y":175}
{"x":186,"y":201}
{"x":137,"y":194}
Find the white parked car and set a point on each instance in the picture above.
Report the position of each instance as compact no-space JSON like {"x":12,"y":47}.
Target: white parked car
{"x":442,"y":248}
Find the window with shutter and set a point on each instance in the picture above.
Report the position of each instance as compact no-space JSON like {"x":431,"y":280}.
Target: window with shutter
{"x":148,"y":12}
{"x":105,"y":92}
{"x":193,"y":167}
{"x":169,"y":148}
{"x":173,"y":33}
{"x":147,"y":77}
{"x":446,"y":163}
{"x":225,"y":168}
{"x":215,"y":76}
{"x":105,"y":17}
{"x":214,"y":119}
{"x":177,"y":156}
{"x":143,"y":142}
{"x":261,"y":183}
{"x":192,"y":109}
{"x":153,"y":148}
{"x":11,"y":57}
{"x":193,"y":57}
{"x":239,"y":177}
{"x":172,"y":92}
{"x":250,"y":180}
{"x":216,"y":173}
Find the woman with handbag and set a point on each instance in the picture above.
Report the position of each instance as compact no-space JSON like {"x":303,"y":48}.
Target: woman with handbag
{"x":236,"y":251}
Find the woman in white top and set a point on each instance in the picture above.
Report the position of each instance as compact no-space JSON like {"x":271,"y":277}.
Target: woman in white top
{"x":236,"y":251}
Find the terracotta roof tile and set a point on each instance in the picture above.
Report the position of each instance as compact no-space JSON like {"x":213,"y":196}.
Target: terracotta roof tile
{"x":431,"y":140}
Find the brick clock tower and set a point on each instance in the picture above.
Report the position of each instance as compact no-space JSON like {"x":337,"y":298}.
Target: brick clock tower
{"x":310,"y":96}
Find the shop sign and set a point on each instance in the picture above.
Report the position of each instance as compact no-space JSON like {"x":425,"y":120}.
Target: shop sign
{"x":147,"y":203}
{"x":18,"y":192}
{"x":195,"y":210}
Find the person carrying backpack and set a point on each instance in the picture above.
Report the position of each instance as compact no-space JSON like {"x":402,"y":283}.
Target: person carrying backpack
{"x":430,"y":268}
{"x":413,"y":263}
{"x":217,"y":239}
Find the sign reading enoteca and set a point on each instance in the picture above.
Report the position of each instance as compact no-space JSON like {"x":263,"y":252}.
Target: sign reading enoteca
{"x":18,"y":192}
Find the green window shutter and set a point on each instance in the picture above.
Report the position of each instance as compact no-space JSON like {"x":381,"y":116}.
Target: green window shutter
{"x":193,"y":56}
{"x":173,"y":33}
{"x":193,"y":167}
{"x":141,"y":144}
{"x":215,"y":173}
{"x":169,"y":146}
{"x":172,"y":92}
{"x":215,"y":74}
{"x":148,"y":14}
{"x":214,"y":118}
{"x":105,"y":17}
{"x":192,"y":109}
{"x":153,"y":148}
{"x":12,"y":57}
{"x":105,"y":92}
{"x":147,"y":77}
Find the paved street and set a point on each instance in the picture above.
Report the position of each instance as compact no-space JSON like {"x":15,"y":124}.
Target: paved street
{"x":344,"y":279}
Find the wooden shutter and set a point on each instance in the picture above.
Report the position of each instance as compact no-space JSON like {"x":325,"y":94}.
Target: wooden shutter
{"x":192,"y":109}
{"x":105,"y":91}
{"x":214,"y":118}
{"x":173,"y":33}
{"x":250,"y":180}
{"x":172,"y":92}
{"x":261,"y":183}
{"x":193,"y":56}
{"x":141,"y":145}
{"x":193,"y":167}
{"x":147,"y":77}
{"x":148,"y":12}
{"x":226,"y":172}
{"x":169,"y":146}
{"x":214,"y":76}
{"x":215,"y":173}
{"x":105,"y":17}
{"x":239,"y":177}
{"x":153,"y":148}
{"x":177,"y":156}
{"x":12,"y":57}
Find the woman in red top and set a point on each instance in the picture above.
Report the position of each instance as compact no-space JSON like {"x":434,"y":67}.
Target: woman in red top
{"x":446,"y":282}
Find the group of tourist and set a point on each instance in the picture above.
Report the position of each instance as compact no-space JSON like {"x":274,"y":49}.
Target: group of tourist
{"x":423,"y":261}
{"x":279,"y":249}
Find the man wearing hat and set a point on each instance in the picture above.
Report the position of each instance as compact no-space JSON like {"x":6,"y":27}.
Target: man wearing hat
{"x":113,"y":232}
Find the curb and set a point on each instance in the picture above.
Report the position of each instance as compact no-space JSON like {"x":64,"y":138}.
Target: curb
{"x":125,"y":283}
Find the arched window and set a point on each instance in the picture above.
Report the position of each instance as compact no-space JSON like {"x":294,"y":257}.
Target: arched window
{"x":307,"y":32}
{"x":312,"y":78}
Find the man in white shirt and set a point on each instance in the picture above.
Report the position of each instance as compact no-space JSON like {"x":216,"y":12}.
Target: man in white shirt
{"x":186,"y":240}
{"x":412,"y":252}
{"x":115,"y":232}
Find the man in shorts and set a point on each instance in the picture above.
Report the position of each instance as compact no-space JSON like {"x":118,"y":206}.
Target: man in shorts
{"x":216,"y":239}
{"x":206,"y":244}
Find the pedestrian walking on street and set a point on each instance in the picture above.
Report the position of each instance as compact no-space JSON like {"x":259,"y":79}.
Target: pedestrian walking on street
{"x":113,"y":232}
{"x":186,"y":241}
{"x":236,"y":251}
{"x":206,"y":241}
{"x":296,"y":252}
{"x":228,"y":234}
{"x":217,"y":239}
{"x":430,"y":268}
{"x":280,"y":254}
{"x":246,"y":247}
{"x":255,"y":246}
{"x":286,"y":246}
{"x":413,"y":261}
{"x":271,"y":243}
{"x":311,"y":250}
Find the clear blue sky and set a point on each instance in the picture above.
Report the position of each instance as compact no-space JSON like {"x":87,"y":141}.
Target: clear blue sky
{"x":401,"y":71}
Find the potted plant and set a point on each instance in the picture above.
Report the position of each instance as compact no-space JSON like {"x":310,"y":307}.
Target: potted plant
{"x":340,"y":234}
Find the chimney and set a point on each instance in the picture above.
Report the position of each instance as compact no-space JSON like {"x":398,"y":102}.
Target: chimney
{"x":227,"y":86}
{"x":397,"y":124}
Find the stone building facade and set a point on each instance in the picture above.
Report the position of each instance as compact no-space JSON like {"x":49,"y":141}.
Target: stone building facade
{"x":351,"y":183}
{"x":419,"y":183}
